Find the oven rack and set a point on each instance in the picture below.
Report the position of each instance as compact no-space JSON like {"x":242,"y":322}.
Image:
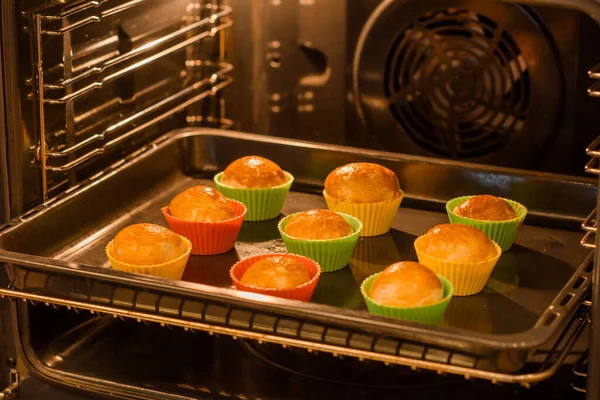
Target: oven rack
{"x":170,"y":105}
{"x":587,"y":369}
{"x":79,"y":113}
{"x":105,"y":298}
{"x":580,"y":370}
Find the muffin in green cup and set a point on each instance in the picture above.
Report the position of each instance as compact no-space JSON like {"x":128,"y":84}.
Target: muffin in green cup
{"x":258,"y":183}
{"x":428,"y":301}
{"x":502,"y":230}
{"x":334,"y":250}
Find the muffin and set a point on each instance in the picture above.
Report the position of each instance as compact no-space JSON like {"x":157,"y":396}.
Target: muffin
{"x":209,"y":220}
{"x":369,"y":192}
{"x":485,"y":208}
{"x":498,"y":218}
{"x":253,"y":172}
{"x":149,"y":249}
{"x":201,"y":204}
{"x":406,"y":284}
{"x":408,"y":290}
{"x":321,"y":235}
{"x":318,"y":225}
{"x":288,"y":276}
{"x":260,"y":184}
{"x":461,"y":253}
{"x":275,"y":272}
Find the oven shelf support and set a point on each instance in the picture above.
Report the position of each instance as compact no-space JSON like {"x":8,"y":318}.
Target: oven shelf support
{"x":12,"y":391}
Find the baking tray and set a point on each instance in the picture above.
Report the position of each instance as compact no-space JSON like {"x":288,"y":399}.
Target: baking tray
{"x":55,"y":254}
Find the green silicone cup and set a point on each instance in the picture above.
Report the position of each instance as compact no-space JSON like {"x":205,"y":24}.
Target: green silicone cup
{"x":501,"y":232}
{"x":431,"y":314}
{"x":262,"y":203}
{"x":331,"y":254}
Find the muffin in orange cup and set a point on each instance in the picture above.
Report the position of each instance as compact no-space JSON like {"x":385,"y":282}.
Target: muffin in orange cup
{"x":150,"y":250}
{"x":461,"y":253}
{"x":368,"y":192}
{"x":207,"y":218}
{"x":289,"y":276}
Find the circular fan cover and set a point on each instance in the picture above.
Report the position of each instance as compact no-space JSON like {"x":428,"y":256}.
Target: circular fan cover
{"x":458,"y":82}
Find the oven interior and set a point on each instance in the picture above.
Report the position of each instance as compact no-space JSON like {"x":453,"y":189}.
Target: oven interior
{"x":88,"y":83}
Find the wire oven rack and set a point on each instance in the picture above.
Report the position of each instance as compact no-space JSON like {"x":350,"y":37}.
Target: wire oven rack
{"x":65,"y":87}
{"x":586,"y":368}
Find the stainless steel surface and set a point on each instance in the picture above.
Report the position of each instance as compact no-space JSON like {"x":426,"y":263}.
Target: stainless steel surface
{"x":537,"y":305}
{"x":4,"y":185}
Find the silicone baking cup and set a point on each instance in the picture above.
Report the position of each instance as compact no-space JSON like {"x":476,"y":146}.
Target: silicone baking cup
{"x":303,"y":292}
{"x":501,"y":232}
{"x":430,"y":314}
{"x":331,"y":254}
{"x":467,"y":278}
{"x":376,"y":218}
{"x":262,"y":203}
{"x":209,"y":238}
{"x":170,"y":270}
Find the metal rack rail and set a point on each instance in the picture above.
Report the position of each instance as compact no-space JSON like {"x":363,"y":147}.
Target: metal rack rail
{"x":82,"y":95}
{"x":105,"y":298}
{"x":584,"y":368}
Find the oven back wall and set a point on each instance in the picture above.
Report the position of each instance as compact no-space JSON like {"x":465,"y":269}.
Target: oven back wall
{"x":476,"y":80}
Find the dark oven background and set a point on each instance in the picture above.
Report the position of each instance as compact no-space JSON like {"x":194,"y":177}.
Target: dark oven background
{"x":479,"y":81}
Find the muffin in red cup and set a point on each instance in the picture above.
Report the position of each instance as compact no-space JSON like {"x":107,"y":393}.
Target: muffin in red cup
{"x":288,"y":276}
{"x":207,"y":218}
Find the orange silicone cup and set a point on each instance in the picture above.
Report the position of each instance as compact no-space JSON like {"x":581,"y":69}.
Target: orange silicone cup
{"x":209,"y":238}
{"x":303,"y":292}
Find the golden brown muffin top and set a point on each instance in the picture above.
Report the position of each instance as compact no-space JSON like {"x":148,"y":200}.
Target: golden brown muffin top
{"x":362,"y":183}
{"x":201,"y":204}
{"x":406,"y":284}
{"x":457,"y":243}
{"x":485,"y":208}
{"x":276,"y":272}
{"x":318,"y":225}
{"x":147,"y":244}
{"x":252,"y":172}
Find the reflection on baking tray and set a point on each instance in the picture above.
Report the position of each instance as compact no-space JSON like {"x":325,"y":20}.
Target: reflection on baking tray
{"x":339,"y":289}
{"x":373,"y":254}
{"x":259,"y":231}
{"x":210,"y":270}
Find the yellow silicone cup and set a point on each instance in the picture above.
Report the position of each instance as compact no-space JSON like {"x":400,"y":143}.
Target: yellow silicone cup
{"x":467,"y":278}
{"x":376,"y":218}
{"x":170,"y":270}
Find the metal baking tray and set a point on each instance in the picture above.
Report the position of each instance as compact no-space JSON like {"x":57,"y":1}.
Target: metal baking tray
{"x":55,"y":255}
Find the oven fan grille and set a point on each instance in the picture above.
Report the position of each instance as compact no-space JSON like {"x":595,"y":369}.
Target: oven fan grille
{"x":457,"y":83}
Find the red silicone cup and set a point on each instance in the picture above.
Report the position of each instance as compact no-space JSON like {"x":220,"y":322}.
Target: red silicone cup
{"x":303,"y":292}
{"x":209,"y":238}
